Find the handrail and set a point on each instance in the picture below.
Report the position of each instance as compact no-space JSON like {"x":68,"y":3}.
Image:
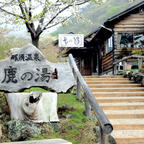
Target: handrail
{"x":104,"y":122}
{"x":128,"y":57}
{"x":138,"y":57}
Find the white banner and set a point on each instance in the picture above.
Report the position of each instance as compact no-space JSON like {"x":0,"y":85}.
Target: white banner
{"x":71,"y":40}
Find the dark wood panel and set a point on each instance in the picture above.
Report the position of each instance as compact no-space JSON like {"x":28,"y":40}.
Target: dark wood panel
{"x":107,"y":56}
{"x":129,"y":26}
{"x":107,"y":62}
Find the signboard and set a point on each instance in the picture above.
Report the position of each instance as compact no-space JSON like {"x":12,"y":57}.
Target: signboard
{"x":71,"y":40}
{"x":27,"y":67}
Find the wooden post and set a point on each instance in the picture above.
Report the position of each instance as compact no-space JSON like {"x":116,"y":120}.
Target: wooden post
{"x":102,"y":140}
{"x":87,"y":106}
{"x":115,"y":69}
{"x":78,"y":90}
{"x":139,"y":63}
{"x":124,"y":65}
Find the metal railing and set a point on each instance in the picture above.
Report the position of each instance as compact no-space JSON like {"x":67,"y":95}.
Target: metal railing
{"x":90,"y":102}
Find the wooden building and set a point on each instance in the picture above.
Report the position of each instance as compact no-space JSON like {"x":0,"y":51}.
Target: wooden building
{"x":119,"y":36}
{"x":86,"y":57}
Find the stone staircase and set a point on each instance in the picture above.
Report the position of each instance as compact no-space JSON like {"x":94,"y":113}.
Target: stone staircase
{"x":123,"y":103}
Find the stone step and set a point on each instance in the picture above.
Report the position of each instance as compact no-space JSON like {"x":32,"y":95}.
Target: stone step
{"x":125,"y":116}
{"x":127,"y":121}
{"x":129,"y":127}
{"x":123,"y":104}
{"x":122,"y":89}
{"x":124,"y":112}
{"x":49,"y":141}
{"x":120,"y":100}
{"x":106,"y":79}
{"x":112,"y":85}
{"x":129,"y":107}
{"x":110,"y":82}
{"x":128,"y":134}
{"x":112,"y":76}
{"x":120,"y":97}
{"x":118,"y":94}
{"x":130,"y":140}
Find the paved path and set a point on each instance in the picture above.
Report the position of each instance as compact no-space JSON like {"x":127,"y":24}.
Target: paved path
{"x":49,"y":141}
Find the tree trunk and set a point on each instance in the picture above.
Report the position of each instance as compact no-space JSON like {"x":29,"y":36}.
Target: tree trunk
{"x":35,"y":41}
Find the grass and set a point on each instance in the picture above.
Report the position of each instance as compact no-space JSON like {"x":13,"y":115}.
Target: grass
{"x":76,"y":127}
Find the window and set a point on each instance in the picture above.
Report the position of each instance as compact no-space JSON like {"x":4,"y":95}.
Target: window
{"x":109,"y":45}
{"x":130,"y":40}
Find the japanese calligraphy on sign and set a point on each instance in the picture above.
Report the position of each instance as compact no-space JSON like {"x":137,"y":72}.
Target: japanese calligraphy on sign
{"x":71,"y":40}
{"x":27,"y":67}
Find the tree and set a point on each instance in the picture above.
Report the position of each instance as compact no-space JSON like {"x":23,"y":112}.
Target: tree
{"x":40,"y":15}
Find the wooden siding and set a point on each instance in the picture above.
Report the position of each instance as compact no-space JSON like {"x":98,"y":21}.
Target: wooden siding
{"x":134,"y":23}
{"x":107,"y":62}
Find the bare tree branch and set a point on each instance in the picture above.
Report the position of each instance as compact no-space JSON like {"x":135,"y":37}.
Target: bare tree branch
{"x":6,"y":4}
{"x":41,"y":19}
{"x":30,"y":7}
{"x":45,"y":27}
{"x":16,"y":15}
{"x":55,"y":24}
{"x":29,"y":26}
{"x":55,"y":16}
{"x":58,"y":23}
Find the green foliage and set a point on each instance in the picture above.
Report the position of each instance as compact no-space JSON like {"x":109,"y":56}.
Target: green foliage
{"x":48,"y":49}
{"x":78,"y":129}
{"x":10,"y":42}
{"x":114,"y":10}
{"x":35,"y":89}
{"x":97,"y":14}
{"x":138,"y":51}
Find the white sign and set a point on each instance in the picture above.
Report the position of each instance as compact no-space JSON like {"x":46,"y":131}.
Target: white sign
{"x":71,"y":40}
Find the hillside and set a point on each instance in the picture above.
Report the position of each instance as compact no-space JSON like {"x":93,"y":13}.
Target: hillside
{"x":95,"y":15}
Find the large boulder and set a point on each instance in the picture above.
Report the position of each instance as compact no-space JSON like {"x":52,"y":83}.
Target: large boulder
{"x":19,"y":130}
{"x":27,"y":67}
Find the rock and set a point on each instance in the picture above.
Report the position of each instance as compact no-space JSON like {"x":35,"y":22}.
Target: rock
{"x":55,"y":126}
{"x":27,"y":67}
{"x":19,"y":130}
{"x":96,"y":130}
{"x":1,"y":111}
{"x":0,"y":131}
{"x":46,"y":128}
{"x":34,"y":106}
{"x":71,"y":127}
{"x":142,"y":82}
{"x":64,"y":108}
{"x":72,"y":116}
{"x":111,"y":140}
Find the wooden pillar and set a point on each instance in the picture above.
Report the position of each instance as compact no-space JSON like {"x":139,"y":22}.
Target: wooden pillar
{"x":78,"y":90}
{"x":139,"y":64}
{"x":124,"y":65}
{"x":102,"y":140}
{"x":115,"y":69}
{"x":87,"y":105}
